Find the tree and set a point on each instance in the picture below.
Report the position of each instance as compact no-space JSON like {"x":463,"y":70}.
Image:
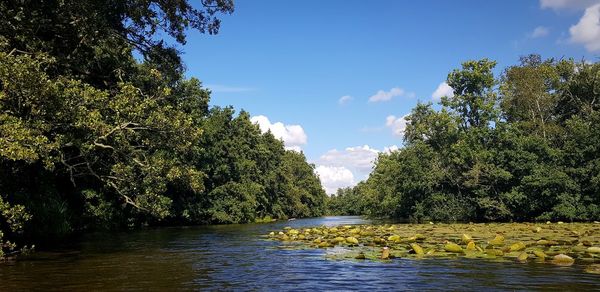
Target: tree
{"x":523,"y":150}
{"x":93,"y":40}
{"x":427,"y":125}
{"x":474,"y":99}
{"x":93,"y":137}
{"x":528,"y":94}
{"x":578,"y":93}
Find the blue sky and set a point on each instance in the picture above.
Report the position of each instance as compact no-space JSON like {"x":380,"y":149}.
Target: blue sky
{"x":290,"y":63}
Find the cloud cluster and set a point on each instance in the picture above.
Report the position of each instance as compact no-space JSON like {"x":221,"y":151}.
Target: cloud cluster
{"x":334,"y":177}
{"x":293,"y":136}
{"x":442,"y":90}
{"x":397,"y":124}
{"x":335,"y":168}
{"x":587,"y":30}
{"x":359,"y":158}
{"x":383,"y":95}
{"x":345,"y":168}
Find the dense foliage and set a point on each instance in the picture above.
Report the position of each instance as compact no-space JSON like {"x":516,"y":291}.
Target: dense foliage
{"x":90,"y":137}
{"x":525,"y":146}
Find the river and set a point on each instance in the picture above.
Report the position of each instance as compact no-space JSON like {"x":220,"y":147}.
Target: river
{"x":237,"y":257}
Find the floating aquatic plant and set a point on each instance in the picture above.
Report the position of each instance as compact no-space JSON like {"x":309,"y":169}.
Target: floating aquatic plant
{"x":559,"y":244}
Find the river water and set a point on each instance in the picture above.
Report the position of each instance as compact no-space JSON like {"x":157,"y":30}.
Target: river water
{"x":237,"y":257}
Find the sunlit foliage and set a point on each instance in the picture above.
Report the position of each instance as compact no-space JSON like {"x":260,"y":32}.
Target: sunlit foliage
{"x":523,"y":146}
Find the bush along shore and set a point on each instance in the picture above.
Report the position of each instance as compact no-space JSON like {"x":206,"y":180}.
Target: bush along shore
{"x":562,"y":244}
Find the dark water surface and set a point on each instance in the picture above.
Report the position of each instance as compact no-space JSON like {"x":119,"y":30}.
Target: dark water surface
{"x":236,"y":257}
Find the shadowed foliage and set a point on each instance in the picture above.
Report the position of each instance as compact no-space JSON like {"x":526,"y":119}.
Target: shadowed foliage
{"x":91,"y":137}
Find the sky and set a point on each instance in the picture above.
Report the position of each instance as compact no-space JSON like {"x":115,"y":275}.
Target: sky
{"x":334,"y":78}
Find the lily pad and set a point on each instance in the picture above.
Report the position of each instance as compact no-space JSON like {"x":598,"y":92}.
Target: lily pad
{"x":395,"y":238}
{"x":593,"y":269}
{"x":351,"y":240}
{"x":497,"y":241}
{"x":417,"y":249}
{"x":453,"y":247}
{"x":563,"y":260}
{"x":494,"y":252}
{"x":385,"y":253}
{"x":517,"y":246}
{"x":471,"y":245}
{"x":466,"y":238}
{"x":523,"y":257}
{"x":360,"y":256}
{"x":540,"y":254}
{"x":593,"y":249}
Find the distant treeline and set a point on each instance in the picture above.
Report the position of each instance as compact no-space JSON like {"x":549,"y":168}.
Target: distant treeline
{"x":93,"y":137}
{"x":524,"y":146}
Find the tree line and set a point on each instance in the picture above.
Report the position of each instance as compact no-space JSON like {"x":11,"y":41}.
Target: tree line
{"x":99,"y":128}
{"x":522,"y":146}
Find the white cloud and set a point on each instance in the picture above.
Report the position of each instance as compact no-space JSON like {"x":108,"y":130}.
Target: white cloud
{"x":567,"y":4}
{"x":398,"y":125}
{"x":442,"y":90}
{"x":382,"y":95}
{"x":334,"y":177}
{"x":294,"y":148}
{"x":390,"y":149}
{"x":587,"y":30}
{"x":359,"y":158}
{"x":334,"y":165}
{"x":539,"y":32}
{"x":227,"y":89}
{"x":293,"y":136}
{"x":344,"y":99}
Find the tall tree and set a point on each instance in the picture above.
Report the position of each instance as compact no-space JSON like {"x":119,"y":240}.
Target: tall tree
{"x":528,"y":93}
{"x":474,"y":98}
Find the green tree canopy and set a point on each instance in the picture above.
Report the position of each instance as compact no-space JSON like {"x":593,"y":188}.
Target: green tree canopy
{"x":93,"y":137}
{"x":520,"y":147}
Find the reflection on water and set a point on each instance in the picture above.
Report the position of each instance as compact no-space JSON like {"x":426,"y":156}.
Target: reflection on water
{"x":236,"y":257}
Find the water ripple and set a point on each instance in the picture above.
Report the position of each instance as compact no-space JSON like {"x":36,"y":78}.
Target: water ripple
{"x":236,"y":257}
